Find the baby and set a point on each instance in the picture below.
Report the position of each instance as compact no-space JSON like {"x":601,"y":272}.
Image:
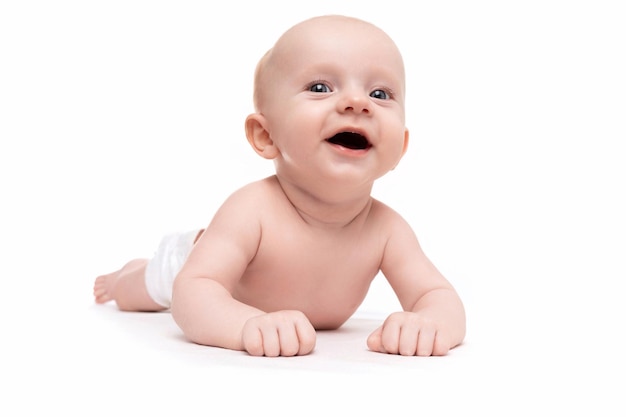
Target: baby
{"x":297,"y":251}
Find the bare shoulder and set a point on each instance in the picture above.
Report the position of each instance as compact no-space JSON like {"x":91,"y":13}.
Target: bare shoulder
{"x":385,"y":216}
{"x":254,"y":194}
{"x":238,"y":221}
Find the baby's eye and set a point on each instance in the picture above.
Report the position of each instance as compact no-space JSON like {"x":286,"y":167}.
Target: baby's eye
{"x":319,"y":88}
{"x":380,"y":94}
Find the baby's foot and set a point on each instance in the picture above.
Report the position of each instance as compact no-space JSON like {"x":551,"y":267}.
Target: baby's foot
{"x":103,"y":287}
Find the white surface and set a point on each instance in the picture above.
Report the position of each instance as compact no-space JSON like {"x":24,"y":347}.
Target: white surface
{"x":514,"y":182}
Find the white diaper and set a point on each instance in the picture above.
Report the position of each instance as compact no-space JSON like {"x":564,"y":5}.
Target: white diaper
{"x":166,"y":263}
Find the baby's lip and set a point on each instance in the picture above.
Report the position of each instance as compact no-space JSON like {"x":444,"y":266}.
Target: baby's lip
{"x":350,"y":139}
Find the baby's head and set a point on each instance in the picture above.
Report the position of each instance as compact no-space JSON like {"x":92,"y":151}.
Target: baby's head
{"x":353,"y":34}
{"x":329,"y":102}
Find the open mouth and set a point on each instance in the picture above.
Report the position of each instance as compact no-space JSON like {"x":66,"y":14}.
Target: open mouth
{"x":350,"y":140}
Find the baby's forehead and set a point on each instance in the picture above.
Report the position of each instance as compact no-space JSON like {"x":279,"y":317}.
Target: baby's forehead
{"x":304,"y":36}
{"x":334,"y":38}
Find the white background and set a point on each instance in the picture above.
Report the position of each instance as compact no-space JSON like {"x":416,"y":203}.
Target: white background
{"x":123,"y":120}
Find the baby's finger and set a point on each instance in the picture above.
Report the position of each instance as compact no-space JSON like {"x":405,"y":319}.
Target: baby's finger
{"x":306,"y":337}
{"x":441,"y":346}
{"x":374,"y":341}
{"x":271,"y":341}
{"x":425,"y":342}
{"x":408,"y":340}
{"x":391,"y":337}
{"x":253,"y":341}
{"x":288,"y":340}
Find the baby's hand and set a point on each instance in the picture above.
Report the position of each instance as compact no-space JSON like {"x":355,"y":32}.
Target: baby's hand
{"x":408,"y":334}
{"x":282,"y":333}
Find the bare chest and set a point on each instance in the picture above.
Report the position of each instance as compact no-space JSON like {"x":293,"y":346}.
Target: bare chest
{"x":325,"y":276}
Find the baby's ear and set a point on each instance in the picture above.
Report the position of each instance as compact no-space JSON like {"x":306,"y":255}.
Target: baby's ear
{"x":405,"y":146}
{"x":406,"y":141}
{"x":259,"y":137}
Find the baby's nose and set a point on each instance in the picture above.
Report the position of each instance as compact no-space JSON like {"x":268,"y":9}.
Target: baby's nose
{"x":354,"y":101}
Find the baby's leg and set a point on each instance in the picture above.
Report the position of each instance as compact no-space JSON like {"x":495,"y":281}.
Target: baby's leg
{"x":127,"y":287}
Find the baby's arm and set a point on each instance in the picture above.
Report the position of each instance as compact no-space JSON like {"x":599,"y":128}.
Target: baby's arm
{"x":208,"y":315}
{"x":433,"y":320}
{"x":202,"y":303}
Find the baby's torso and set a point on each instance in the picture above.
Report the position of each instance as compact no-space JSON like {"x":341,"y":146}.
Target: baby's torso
{"x":322,"y":272}
{"x":325,"y":280}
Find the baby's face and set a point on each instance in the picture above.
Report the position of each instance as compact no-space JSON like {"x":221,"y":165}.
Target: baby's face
{"x":333,"y":95}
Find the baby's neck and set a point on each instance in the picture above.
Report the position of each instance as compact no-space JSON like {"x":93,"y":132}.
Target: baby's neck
{"x":334,"y":218}
{"x":328,"y":209}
